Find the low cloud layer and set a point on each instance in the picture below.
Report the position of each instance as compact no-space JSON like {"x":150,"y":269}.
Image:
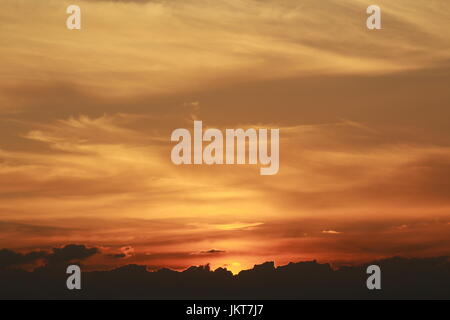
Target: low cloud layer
{"x":66,"y":254}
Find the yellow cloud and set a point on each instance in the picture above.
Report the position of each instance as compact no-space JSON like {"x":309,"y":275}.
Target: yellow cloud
{"x":161,"y":47}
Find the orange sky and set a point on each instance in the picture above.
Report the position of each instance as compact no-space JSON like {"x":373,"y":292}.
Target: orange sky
{"x":86,"y":117}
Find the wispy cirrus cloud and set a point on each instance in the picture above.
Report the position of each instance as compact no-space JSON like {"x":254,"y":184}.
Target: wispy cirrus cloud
{"x":86,"y":119}
{"x":161,"y":46}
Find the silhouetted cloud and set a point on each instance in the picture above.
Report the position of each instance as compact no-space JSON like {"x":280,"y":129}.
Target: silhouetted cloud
{"x":9,"y":258}
{"x":71,"y":252}
{"x":421,"y":278}
{"x":213,"y":251}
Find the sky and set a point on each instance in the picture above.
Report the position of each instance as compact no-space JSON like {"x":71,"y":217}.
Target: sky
{"x":86,"y":117}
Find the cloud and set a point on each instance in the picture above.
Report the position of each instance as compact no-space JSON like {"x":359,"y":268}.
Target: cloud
{"x":363,"y":119}
{"x":134,"y":181}
{"x":230,"y":226}
{"x":9,"y":258}
{"x":127,"y":251}
{"x":213,"y":251}
{"x":181,"y":45}
{"x":129,"y":1}
{"x":68,"y":253}
{"x":360,"y":239}
{"x":71,"y":252}
{"x":331,"y":232}
{"x":10,"y":229}
{"x":427,"y":278}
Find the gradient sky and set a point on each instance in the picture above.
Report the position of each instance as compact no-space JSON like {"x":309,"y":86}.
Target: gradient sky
{"x":364,"y":118}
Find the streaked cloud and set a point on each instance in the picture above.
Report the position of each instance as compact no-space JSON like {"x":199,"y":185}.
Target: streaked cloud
{"x":163,"y":46}
{"x":331,"y":232}
{"x":85,"y":120}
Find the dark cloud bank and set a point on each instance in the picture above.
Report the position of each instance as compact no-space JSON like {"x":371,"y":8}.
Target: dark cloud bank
{"x":10,"y":259}
{"x":420,"y":278}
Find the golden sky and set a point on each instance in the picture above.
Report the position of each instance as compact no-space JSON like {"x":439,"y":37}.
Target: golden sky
{"x":364,"y":117}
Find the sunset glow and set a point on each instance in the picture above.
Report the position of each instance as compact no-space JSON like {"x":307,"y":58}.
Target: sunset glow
{"x":86,"y":118}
